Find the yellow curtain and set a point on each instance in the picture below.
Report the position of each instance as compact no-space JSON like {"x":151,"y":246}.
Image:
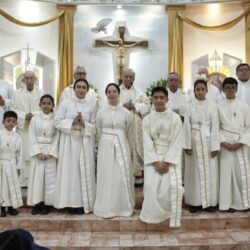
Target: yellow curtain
{"x":22,"y":23}
{"x":224,"y":26}
{"x":65,"y":55}
{"x":176,"y":36}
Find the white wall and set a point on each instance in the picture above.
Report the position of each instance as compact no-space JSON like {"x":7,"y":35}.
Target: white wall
{"x":200,"y":42}
{"x":147,"y":22}
{"x":43,"y":39}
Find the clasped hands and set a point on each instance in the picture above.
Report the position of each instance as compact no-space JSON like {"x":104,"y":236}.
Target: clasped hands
{"x":28,"y":116}
{"x":2,"y":101}
{"x":161,"y":167}
{"x":43,"y":157}
{"x":129,"y":106}
{"x":78,"y":120}
{"x":231,"y":147}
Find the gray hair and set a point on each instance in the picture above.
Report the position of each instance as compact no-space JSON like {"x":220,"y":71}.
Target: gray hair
{"x":129,"y":71}
{"x":174,"y":73}
{"x":79,"y":68}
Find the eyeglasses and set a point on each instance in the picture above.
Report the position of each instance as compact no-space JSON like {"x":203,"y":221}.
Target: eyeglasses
{"x":244,"y":69}
{"x":81,"y":73}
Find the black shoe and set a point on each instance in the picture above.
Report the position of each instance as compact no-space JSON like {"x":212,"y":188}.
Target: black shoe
{"x":71,"y":210}
{"x":36,"y":209}
{"x":194,"y":209}
{"x":231,"y":210}
{"x":45,"y":210}
{"x":79,"y":210}
{"x":12,"y":211}
{"x":210,"y":209}
{"x":3,"y":212}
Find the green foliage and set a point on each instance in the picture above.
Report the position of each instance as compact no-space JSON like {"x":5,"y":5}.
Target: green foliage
{"x":159,"y":83}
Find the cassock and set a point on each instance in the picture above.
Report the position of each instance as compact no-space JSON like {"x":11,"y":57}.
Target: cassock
{"x":162,"y":141}
{"x":26,"y":102}
{"x":201,"y":134}
{"x":115,"y":179}
{"x":69,"y":93}
{"x":10,"y":153}
{"x":243,"y":91}
{"x":213,"y":93}
{"x":6,"y":92}
{"x":43,"y":139}
{"x":142,"y":106}
{"x":178,"y":101}
{"x":234,"y":116}
{"x":75,"y":182}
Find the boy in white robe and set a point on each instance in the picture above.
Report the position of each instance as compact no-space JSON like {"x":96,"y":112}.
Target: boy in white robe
{"x":10,"y":152}
{"x":234,"y":116}
{"x":162,"y":142}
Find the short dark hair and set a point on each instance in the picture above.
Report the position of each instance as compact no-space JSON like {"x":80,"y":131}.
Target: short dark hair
{"x":49,"y":97}
{"x":112,"y":84}
{"x":159,"y":89}
{"x":200,"y":81}
{"x":8,"y":114}
{"x":240,"y":65}
{"x":229,"y":80}
{"x":81,"y":80}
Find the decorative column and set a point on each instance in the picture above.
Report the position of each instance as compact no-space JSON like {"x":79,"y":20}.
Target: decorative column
{"x":175,"y":39}
{"x":65,"y":53}
{"x":246,"y":5}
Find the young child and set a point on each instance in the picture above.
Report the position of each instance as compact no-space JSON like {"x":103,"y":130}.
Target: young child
{"x":234,"y":116}
{"x":43,"y":150}
{"x":201,"y":144}
{"x":162,"y":143}
{"x":10,"y":154}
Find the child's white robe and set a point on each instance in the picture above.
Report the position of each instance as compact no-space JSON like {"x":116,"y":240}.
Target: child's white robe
{"x":234,"y":116}
{"x":43,"y":139}
{"x":10,"y":154}
{"x":162,"y":141}
{"x":201,"y":134}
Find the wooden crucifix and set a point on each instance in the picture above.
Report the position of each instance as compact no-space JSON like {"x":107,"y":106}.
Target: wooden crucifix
{"x":121,"y":45}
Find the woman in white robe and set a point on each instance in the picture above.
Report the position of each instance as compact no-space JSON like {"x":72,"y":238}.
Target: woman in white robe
{"x":162,"y":143}
{"x":234,"y":116}
{"x":43,"y":150}
{"x":201,"y":144}
{"x":115,"y":181}
{"x":75,"y":183}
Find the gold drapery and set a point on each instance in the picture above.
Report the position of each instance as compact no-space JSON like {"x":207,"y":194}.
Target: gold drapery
{"x":176,"y":41}
{"x":26,"y":24}
{"x":65,"y":53}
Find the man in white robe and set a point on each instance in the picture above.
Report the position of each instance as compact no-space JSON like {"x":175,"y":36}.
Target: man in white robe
{"x":178,"y":99}
{"x":213,"y":93}
{"x":136,"y":101}
{"x":243,"y":74}
{"x":6,"y":92}
{"x":235,"y":150}
{"x":26,"y":103}
{"x":162,"y":143}
{"x":68,"y":92}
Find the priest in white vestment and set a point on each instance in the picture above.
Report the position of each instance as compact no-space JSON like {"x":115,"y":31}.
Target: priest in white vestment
{"x":115,"y":177}
{"x":26,"y":103}
{"x":201,"y":144}
{"x":234,"y":117}
{"x":69,"y":93}
{"x":136,"y":101}
{"x":213,"y":93}
{"x":178,"y":99}
{"x":6,"y":95}
{"x":75,"y":183}
{"x":162,"y":142}
{"x":243,"y":74}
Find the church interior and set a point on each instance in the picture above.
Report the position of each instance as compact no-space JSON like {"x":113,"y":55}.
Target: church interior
{"x":153,"y":37}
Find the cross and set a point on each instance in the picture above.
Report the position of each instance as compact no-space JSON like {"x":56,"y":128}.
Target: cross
{"x":27,"y":61}
{"x":215,"y":57}
{"x":121,"y":45}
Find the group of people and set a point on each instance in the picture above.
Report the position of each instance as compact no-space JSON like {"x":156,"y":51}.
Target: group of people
{"x":202,"y":136}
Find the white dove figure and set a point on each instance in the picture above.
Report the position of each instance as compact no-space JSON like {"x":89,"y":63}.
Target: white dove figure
{"x":101,"y":25}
